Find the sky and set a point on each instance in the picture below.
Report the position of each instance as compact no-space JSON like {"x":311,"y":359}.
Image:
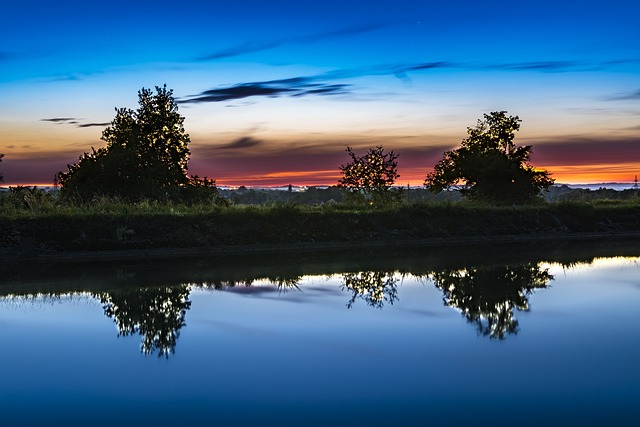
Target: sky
{"x":274,"y":91}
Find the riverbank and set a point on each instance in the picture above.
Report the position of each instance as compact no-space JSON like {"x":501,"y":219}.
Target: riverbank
{"x":215,"y":230}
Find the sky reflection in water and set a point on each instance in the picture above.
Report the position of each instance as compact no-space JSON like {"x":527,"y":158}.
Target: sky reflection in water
{"x":489,"y":344}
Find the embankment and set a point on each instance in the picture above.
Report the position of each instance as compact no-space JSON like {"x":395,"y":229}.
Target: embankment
{"x":284,"y":228}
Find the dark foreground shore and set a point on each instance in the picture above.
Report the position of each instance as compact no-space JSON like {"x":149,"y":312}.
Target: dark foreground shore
{"x":292,"y":229}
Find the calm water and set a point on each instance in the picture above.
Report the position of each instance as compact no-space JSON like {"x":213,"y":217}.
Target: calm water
{"x":483,"y":336}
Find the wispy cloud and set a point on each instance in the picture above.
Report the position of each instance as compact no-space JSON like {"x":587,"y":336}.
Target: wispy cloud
{"x":543,"y":66}
{"x":88,"y":125}
{"x":304,"y":85}
{"x":559,"y":66}
{"x":633,"y":96}
{"x":74,"y":121}
{"x":251,"y":47}
{"x":320,"y":84}
{"x":241,"y":143}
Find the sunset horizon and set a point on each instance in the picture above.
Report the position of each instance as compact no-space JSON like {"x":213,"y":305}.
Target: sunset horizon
{"x":273,"y":94}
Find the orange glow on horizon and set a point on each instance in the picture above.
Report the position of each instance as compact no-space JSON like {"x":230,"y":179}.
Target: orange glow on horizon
{"x":587,"y":174}
{"x":594,"y":174}
{"x":26,"y":184}
{"x":413,"y":176}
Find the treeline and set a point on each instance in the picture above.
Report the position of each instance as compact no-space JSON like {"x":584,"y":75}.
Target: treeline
{"x":319,"y":196}
{"x":31,"y":199}
{"x":330,"y":195}
{"x":564,"y":193}
{"x":146,"y":155}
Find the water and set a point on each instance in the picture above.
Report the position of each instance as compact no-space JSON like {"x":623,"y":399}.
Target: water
{"x":501,"y":335}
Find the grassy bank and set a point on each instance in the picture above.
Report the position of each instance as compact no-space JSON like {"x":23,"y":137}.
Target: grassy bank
{"x":104,"y":226}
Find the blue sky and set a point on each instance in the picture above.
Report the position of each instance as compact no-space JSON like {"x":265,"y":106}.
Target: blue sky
{"x":273,"y":92}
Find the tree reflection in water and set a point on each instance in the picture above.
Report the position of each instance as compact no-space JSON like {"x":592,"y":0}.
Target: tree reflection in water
{"x":286,"y":283}
{"x":487,"y":296}
{"x":281,"y":283}
{"x":157,"y":314}
{"x":374,"y":287}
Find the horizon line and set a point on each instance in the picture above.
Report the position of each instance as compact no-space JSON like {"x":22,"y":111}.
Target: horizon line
{"x":275,"y":186}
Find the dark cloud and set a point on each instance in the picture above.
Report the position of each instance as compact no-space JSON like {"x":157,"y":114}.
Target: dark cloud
{"x":312,"y":38}
{"x":37,"y":168}
{"x":306,"y":85}
{"x":585,"y":151}
{"x":241,"y":143}
{"x":61,"y":120}
{"x":299,"y":86}
{"x":74,"y":121}
{"x":88,"y":125}
{"x":309,"y":159}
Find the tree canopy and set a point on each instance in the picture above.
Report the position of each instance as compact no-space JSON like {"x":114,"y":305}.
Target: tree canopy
{"x":145,"y":157}
{"x":489,"y":166}
{"x":488,"y":295}
{"x":155,"y":313}
{"x":372,"y":174}
{"x":375,"y":287}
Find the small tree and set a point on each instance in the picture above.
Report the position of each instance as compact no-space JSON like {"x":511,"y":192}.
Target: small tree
{"x":372,"y":174}
{"x":145,"y":157}
{"x":489,"y":166}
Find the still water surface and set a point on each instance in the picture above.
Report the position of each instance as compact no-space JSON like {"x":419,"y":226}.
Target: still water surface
{"x":418,"y":338}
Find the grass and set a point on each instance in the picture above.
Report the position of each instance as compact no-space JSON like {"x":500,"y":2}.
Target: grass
{"x":35,"y":225}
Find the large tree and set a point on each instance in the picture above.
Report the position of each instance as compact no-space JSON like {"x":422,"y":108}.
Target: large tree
{"x":156,"y":313}
{"x":371,"y":175}
{"x":1,"y":177}
{"x":488,"y":295}
{"x":145,"y":157}
{"x":489,"y":166}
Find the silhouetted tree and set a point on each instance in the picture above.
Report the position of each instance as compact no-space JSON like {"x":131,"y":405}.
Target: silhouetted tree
{"x":375,"y":287}
{"x":145,"y":157}
{"x":1,"y":177}
{"x":487,"y":296}
{"x":372,"y":174}
{"x":157,"y":314}
{"x":489,"y":165}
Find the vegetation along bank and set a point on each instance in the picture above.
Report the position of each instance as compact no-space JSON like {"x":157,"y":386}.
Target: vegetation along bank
{"x":145,"y":228}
